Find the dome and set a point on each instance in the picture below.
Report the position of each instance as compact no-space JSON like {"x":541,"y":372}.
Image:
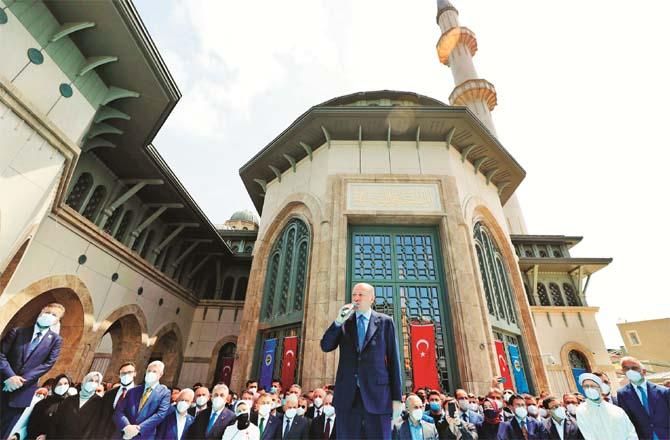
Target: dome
{"x":245,"y":216}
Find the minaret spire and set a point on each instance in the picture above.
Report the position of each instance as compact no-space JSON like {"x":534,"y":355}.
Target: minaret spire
{"x":455,"y":48}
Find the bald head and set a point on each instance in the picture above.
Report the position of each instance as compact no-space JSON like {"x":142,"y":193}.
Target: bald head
{"x":363,"y":296}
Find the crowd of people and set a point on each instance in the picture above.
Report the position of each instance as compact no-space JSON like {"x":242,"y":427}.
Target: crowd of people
{"x":137,"y":406}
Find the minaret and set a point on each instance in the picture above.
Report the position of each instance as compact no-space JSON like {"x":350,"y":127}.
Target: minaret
{"x":455,"y":48}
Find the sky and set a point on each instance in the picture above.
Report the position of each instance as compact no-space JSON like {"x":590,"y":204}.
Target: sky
{"x":582,"y":106}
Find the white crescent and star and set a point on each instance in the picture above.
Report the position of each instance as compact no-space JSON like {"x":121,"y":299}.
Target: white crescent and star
{"x":224,"y":369}
{"x":420,"y":342}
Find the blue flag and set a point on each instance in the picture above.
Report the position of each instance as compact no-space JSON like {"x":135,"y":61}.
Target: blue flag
{"x":267,"y":363}
{"x":576,"y":372}
{"x":517,"y":369}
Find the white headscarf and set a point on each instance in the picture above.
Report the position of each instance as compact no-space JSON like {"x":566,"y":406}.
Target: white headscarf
{"x":83,"y":394}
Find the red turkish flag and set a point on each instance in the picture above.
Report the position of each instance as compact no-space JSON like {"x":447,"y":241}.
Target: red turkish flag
{"x":424,"y":356}
{"x":227,"y":370}
{"x":504,"y":368}
{"x":289,"y":361}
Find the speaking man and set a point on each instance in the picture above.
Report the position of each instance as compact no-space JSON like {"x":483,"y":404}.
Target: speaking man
{"x":367,"y":387}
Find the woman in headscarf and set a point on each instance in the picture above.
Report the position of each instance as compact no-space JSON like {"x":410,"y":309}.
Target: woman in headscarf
{"x":488,"y":428}
{"x":41,"y":420}
{"x":243,"y":429}
{"x":78,"y":417}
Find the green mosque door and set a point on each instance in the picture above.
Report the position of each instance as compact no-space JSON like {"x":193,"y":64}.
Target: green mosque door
{"x":404,"y":266}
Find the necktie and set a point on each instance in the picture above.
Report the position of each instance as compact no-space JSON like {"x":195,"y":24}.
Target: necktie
{"x":524,"y":430}
{"x":645,"y":401}
{"x":361,"y":332}
{"x":124,"y":390}
{"x":326,"y":433}
{"x":212,"y":419}
{"x":34,"y":342}
{"x":261,"y":426}
{"x":288,"y":424}
{"x":145,"y":396}
{"x":318,"y":413}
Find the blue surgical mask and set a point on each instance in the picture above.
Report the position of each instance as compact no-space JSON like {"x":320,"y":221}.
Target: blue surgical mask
{"x":273,"y":390}
{"x":46,"y":320}
{"x":634,"y":376}
{"x":434,"y":406}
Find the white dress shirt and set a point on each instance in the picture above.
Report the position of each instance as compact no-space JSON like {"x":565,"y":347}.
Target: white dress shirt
{"x":638,"y":392}
{"x":181,"y":422}
{"x":119,"y":391}
{"x":285,"y":428}
{"x":559,"y":427}
{"x":332,"y":424}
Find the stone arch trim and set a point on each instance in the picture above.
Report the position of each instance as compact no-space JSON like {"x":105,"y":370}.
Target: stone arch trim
{"x":215,"y":356}
{"x":482,"y":214}
{"x":172,"y":368}
{"x":164,"y":330}
{"x":565,"y":360}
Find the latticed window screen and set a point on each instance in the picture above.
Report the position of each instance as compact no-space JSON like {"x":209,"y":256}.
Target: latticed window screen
{"x":286,"y":276}
{"x":571,"y":295}
{"x":108,"y":227}
{"x":577,"y":360}
{"x":79,"y":191}
{"x":91,"y":209}
{"x":542,"y":295}
{"x":497,"y":288}
{"x":531,"y":300}
{"x":123,"y":226}
{"x":556,"y":296}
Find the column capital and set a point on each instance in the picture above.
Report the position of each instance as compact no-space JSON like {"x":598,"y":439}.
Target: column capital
{"x":474,"y":90}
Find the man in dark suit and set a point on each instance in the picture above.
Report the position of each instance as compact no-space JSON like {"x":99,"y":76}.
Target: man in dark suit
{"x":112,"y":397}
{"x":323,"y":426}
{"x":315,"y":410}
{"x":368,"y":386}
{"x":144,"y":407}
{"x":520,"y":426}
{"x":292,"y":426}
{"x":210,"y":423}
{"x":202,"y":401}
{"x":559,"y":425}
{"x":267,"y":423}
{"x":25,"y":355}
{"x":178,"y":421}
{"x":647,"y":404}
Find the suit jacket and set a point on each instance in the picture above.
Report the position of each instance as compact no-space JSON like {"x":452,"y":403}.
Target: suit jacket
{"x":512,"y":431}
{"x":15,"y":360}
{"x":198,"y":429}
{"x":299,"y":429}
{"x":110,"y":430}
{"x":570,"y":429}
{"x":167,"y":430}
{"x":318,"y":426}
{"x":192,"y":411}
{"x":311,"y":411}
{"x":152,"y":414}
{"x":72,"y":422}
{"x":271,"y":425}
{"x":657,"y":420}
{"x":377,"y":365}
{"x":401,"y":431}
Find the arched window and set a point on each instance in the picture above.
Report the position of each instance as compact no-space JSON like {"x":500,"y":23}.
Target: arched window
{"x":556,"y":296}
{"x":91,"y":210}
{"x":228,"y":284}
{"x":79,"y":191}
{"x":531,"y":300}
{"x":543,"y":253}
{"x":148,"y":244}
{"x":111,"y":221}
{"x":284,"y":291}
{"x":578,"y":360}
{"x":571,"y":295}
{"x":494,"y":276}
{"x":241,"y":289}
{"x":542,"y":295}
{"x":123,"y":226}
{"x":529,"y":253}
{"x":249,"y":248}
{"x":167,"y":252}
{"x":224,"y":363}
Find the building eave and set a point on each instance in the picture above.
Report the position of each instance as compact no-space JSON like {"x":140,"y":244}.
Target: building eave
{"x":588,"y":265}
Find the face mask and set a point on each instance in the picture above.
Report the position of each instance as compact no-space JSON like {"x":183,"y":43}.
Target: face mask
{"x":606,"y":389}
{"x":265,"y":409}
{"x":201,"y":401}
{"x":253,"y":390}
{"x":532,"y":410}
{"x":72,"y":391}
{"x":543,"y":413}
{"x":500,"y":403}
{"x":273,"y":390}
{"x":90,"y":387}
{"x":417,"y":414}
{"x":150,"y":378}
{"x":290,"y":413}
{"x":243,"y":420}
{"x":489,"y":413}
{"x":126,"y":379}
{"x":521,"y":412}
{"x":182,"y":406}
{"x":61,"y":389}
{"x":217,"y":403}
{"x":634,"y":376}
{"x":435,"y":406}
{"x":592,"y":394}
{"x":463,"y":404}
{"x":329,"y":410}
{"x":572,"y":408}
{"x":46,"y":320}
{"x":283,"y":401}
{"x":318,"y":402}
{"x":473,"y":407}
{"x":558,"y":413}
{"x":301,"y":411}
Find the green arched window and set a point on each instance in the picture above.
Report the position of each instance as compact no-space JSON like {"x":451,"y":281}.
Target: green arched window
{"x":284,"y":292}
{"x":494,"y":277}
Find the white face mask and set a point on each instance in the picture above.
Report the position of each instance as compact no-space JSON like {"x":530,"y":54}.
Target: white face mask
{"x":543,"y":413}
{"x":217,"y":403}
{"x":46,"y":320}
{"x":417,"y":414}
{"x":463,"y":404}
{"x":126,"y":379}
{"x":329,"y":410}
{"x":301,"y":411}
{"x":572,"y":408}
{"x":558,"y":413}
{"x":264,"y":409}
{"x":592,"y":393}
{"x":532,"y":410}
{"x":182,"y":406}
{"x":290,"y":413}
{"x":253,"y":390}
{"x":473,"y":407}
{"x":521,"y":412}
{"x":634,"y":376}
{"x":72,"y":391}
{"x":201,"y":400}
{"x":606,"y":389}
{"x":318,"y":401}
{"x":61,"y":389}
{"x":150,"y":378}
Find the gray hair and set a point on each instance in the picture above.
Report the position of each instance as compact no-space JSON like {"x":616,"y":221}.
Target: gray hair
{"x":223,"y":386}
{"x":159,"y":364}
{"x":292,"y":398}
{"x":187,"y":391}
{"x":412,"y":397}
